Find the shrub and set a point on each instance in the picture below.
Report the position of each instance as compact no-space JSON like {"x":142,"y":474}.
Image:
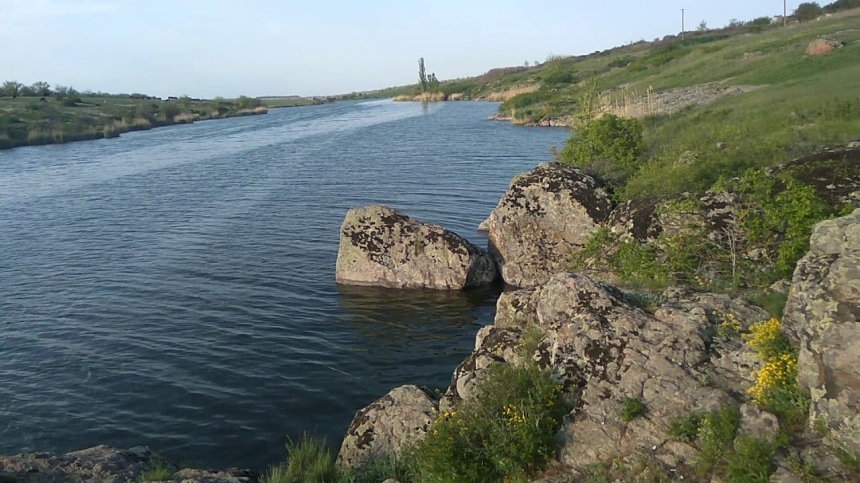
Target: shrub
{"x":609,"y":146}
{"x":170,"y":110}
{"x":507,"y":432}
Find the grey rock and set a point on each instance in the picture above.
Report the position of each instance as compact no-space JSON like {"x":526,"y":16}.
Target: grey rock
{"x":854,"y":144}
{"x":517,"y":308}
{"x":545,"y":215}
{"x":757,"y":423}
{"x":380,"y":246}
{"x":383,"y":428}
{"x":635,"y":219}
{"x":105,"y":465}
{"x":823,"y":315}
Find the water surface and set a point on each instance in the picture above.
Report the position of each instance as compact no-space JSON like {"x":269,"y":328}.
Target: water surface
{"x":175,"y":288}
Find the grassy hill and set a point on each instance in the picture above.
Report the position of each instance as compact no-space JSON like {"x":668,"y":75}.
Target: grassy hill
{"x":735,"y":98}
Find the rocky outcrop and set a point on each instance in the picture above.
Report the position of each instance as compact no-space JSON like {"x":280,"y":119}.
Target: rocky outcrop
{"x":105,"y":465}
{"x":380,"y":246}
{"x":604,"y":349}
{"x":823,"y":315}
{"x":544,"y":215}
{"x":384,"y":427}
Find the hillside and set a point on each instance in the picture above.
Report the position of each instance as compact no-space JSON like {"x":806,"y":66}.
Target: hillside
{"x":740,"y":97}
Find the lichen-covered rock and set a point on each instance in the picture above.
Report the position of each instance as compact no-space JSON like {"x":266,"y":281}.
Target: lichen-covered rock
{"x":517,"y":308}
{"x":380,"y":246}
{"x":104,"y":465}
{"x":823,"y":315}
{"x":544,"y":215}
{"x":823,"y":46}
{"x":384,"y":427}
{"x":834,"y":174}
{"x":492,"y":345}
{"x":636,"y":219}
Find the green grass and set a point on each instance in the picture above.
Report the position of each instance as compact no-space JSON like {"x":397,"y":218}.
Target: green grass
{"x":685,"y":428}
{"x":29,"y":121}
{"x":158,"y":471}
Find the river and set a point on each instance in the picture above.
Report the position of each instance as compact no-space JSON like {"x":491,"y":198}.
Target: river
{"x":175,"y":288}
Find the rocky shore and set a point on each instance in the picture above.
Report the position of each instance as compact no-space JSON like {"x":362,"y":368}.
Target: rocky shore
{"x":677,"y":351}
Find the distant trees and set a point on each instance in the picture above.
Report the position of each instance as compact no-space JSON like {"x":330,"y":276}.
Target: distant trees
{"x":41,"y":89}
{"x":808,"y":11}
{"x":422,"y":75}
{"x":245,"y":102}
{"x":703,"y":27}
{"x":11,"y":88}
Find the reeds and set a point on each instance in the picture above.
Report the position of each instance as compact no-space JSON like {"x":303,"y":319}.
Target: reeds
{"x":504,"y":95}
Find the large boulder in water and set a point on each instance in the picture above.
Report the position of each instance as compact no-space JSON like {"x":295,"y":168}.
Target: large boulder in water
{"x":386,"y":426}
{"x":383,"y":247}
{"x":823,"y":315}
{"x":544,"y":215}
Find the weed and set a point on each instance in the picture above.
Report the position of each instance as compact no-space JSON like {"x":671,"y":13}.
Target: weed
{"x":310,"y":460}
{"x":158,"y":471}
{"x":773,"y":302}
{"x":802,"y":468}
{"x":750,"y":462}
{"x":631,"y":408}
{"x":849,"y":461}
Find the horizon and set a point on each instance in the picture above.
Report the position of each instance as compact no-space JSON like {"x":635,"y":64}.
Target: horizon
{"x":264,"y":48}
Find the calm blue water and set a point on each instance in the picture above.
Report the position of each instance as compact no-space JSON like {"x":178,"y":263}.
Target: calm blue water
{"x":175,"y":288}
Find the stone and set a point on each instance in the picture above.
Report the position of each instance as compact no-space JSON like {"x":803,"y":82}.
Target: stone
{"x":834,"y":174}
{"x":757,"y":423}
{"x":635,"y":219}
{"x":386,"y":426}
{"x":383,"y":247}
{"x":517,"y":308}
{"x":105,"y":465}
{"x":687,"y":158}
{"x":823,"y":315}
{"x":823,"y":46}
{"x":854,"y":144}
{"x":484,"y":226}
{"x":545,"y":215}
{"x":722,"y":146}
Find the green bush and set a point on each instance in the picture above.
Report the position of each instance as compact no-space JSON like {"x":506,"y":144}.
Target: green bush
{"x":609,"y":147}
{"x":631,"y":408}
{"x":658,"y":57}
{"x":505,"y":433}
{"x":716,"y":433}
{"x":525,"y":100}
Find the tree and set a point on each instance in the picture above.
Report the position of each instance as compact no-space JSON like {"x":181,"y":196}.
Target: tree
{"x":808,"y":11}
{"x":12,"y":88}
{"x":526,"y":64}
{"x":41,"y":89}
{"x":25,"y":91}
{"x":245,"y":102}
{"x":422,"y":75}
{"x":703,"y":27}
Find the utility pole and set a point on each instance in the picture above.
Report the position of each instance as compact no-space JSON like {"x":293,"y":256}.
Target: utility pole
{"x":784,"y":13}
{"x":682,"y":24}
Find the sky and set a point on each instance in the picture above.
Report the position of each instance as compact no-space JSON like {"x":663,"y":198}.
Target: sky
{"x":208,"y":48}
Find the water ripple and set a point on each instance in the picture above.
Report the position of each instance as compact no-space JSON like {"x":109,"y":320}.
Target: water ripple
{"x":175,"y":288}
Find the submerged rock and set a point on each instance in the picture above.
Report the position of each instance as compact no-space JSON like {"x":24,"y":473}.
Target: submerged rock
{"x":544,"y":215}
{"x":823,"y":315}
{"x":386,"y":426}
{"x":381,"y":246}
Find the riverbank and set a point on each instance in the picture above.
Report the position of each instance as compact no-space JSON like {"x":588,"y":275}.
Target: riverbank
{"x":32,"y":121}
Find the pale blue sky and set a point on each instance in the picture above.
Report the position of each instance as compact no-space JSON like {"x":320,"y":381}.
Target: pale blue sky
{"x":207,"y":48}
